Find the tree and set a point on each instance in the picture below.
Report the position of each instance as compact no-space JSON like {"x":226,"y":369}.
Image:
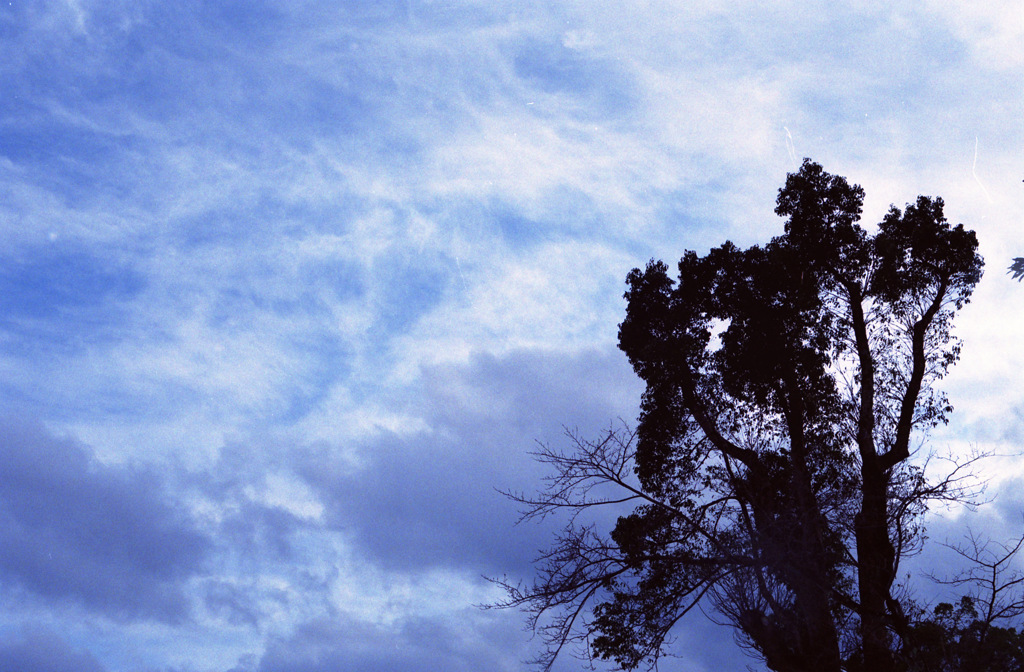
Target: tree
{"x":787,"y":388}
{"x":1017,"y":268}
{"x":973,"y":636}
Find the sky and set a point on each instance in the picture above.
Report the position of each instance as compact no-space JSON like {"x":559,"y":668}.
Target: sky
{"x":289,"y":289}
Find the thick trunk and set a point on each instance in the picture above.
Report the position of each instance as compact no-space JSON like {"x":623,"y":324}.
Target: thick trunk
{"x":813,"y":591}
{"x":874,"y":550}
{"x":875,"y":572}
{"x":813,"y":582}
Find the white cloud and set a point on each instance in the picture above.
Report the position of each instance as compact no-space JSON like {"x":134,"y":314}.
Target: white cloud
{"x":552,"y":296}
{"x":993,"y":31}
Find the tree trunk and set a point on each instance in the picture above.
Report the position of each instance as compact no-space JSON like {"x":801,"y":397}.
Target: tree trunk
{"x":875,"y":571}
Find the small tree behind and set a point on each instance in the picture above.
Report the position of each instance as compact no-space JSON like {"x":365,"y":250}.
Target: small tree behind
{"x":977,"y":633}
{"x":1017,"y":268}
{"x":770,"y":470}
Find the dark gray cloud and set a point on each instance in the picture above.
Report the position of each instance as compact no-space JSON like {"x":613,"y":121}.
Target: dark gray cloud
{"x":263,"y":530}
{"x":251,"y":528}
{"x":106,"y":537}
{"x":41,"y":650}
{"x":233,"y":603}
{"x":430,"y":499}
{"x":469,"y":641}
{"x":416,"y":644}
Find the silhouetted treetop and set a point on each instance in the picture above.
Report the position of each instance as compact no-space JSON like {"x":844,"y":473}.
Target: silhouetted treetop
{"x":773,"y":480}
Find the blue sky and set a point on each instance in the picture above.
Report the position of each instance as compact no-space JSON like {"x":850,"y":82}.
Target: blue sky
{"x":288,"y":288}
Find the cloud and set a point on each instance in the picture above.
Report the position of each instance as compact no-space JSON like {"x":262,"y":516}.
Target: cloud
{"x":307,"y":281}
{"x":42,"y":650}
{"x":992,"y":31}
{"x":468,"y":641}
{"x":464,"y":640}
{"x":427,"y":499}
{"x":105,"y":537}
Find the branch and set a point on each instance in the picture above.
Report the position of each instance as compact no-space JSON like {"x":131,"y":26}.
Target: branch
{"x":583,"y":567}
{"x":1001,"y":590}
{"x":900,"y":450}
{"x":594,"y":464}
{"x":746,"y":456}
{"x":866,"y":417}
{"x":580,"y":565}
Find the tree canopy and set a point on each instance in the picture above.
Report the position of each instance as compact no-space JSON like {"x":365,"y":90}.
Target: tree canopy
{"x":787,"y":387}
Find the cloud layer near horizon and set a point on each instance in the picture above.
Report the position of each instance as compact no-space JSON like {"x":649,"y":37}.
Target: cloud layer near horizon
{"x":287,"y":290}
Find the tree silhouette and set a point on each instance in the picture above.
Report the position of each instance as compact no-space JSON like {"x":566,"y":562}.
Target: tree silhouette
{"x":972,"y":636}
{"x":1017,"y":268}
{"x":770,"y":474}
